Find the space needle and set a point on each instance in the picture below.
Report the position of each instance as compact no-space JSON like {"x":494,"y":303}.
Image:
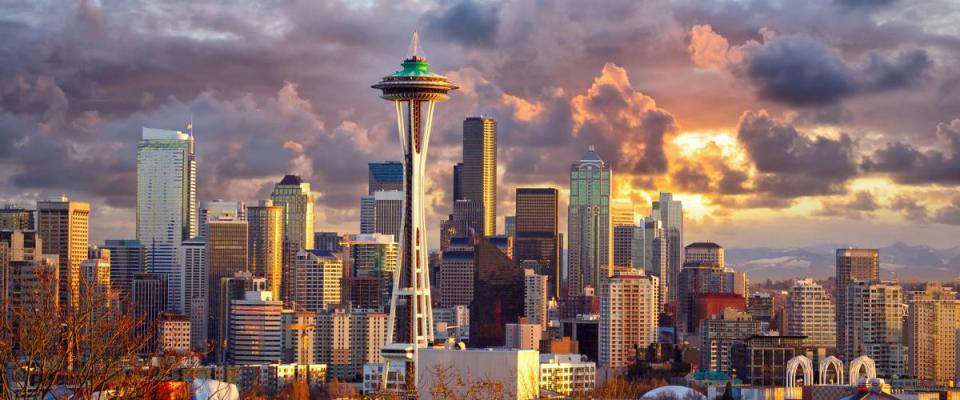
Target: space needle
{"x":414,"y":91}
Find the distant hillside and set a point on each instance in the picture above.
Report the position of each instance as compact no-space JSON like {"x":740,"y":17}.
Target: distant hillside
{"x":902,"y":261}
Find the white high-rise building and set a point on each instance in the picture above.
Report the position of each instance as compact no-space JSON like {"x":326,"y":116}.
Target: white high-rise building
{"x":166,"y":204}
{"x":318,"y":280}
{"x":811,"y":313}
{"x":195,"y":287}
{"x":670,"y":213}
{"x":874,"y":325}
{"x":256,"y":329}
{"x":629,"y":314}
{"x":535,"y":297}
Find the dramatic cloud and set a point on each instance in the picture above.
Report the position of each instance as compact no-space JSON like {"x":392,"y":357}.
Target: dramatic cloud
{"x":800,"y":71}
{"x":792,"y":164}
{"x":859,"y":206}
{"x":910,"y":165}
{"x":467,"y":22}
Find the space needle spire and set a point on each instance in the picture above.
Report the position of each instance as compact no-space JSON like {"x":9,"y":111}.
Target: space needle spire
{"x":415,"y":90}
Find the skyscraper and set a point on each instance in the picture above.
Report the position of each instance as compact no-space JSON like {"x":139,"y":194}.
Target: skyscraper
{"x":17,"y":247}
{"x":455,"y":278}
{"x":294,"y":195}
{"x":166,"y":203}
{"x":227,"y":254}
{"x":228,"y":289}
{"x":811,"y":313}
{"x":127,"y":257}
{"x":932,"y":334}
{"x":196,"y":289}
{"x":149,"y":299}
{"x":479,"y":180}
{"x":458,"y":181}
{"x":220,"y":209}
{"x":63,"y":226}
{"x":385,"y":176}
{"x":498,"y":287}
{"x":852,"y":265}
{"x":265,"y":243}
{"x":874,"y":325}
{"x":629,"y":314}
{"x":588,"y":222}
{"x":381,"y":212}
{"x":649,"y":253}
{"x":14,"y":218}
{"x":670,"y":213}
{"x":369,"y":260}
{"x":538,"y":235}
{"x":695,"y":279}
{"x":623,"y":246}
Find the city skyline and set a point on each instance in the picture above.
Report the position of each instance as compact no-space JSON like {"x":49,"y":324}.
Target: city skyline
{"x":885,"y":99}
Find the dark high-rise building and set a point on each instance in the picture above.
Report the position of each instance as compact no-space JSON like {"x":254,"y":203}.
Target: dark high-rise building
{"x":695,"y":279}
{"x":328,"y":241}
{"x":498,"y":291}
{"x":385,"y":176}
{"x":226,"y":255}
{"x":127,"y":258}
{"x":852,"y":265}
{"x":479,"y":177}
{"x":467,"y":218}
{"x":458,"y":181}
{"x":149,"y":300}
{"x":16,"y":218}
{"x":762,"y":360}
{"x":538,"y":235}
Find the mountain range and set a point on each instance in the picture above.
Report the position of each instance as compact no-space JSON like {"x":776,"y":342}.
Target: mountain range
{"x":901,"y":261}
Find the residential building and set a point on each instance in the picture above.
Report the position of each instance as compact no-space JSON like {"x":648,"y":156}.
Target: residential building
{"x":932,"y":332}
{"x":535,"y":297}
{"x":299,"y":336}
{"x":874,"y":325}
{"x":588,"y":222}
{"x":479,"y":176}
{"x":346,"y":340}
{"x":623,"y":240}
{"x":63,"y":226}
{"x":174,"y":333}
{"x":811,"y":313}
{"x":14,"y":218}
{"x":317,"y":280}
{"x":166,"y":203}
{"x":523,"y":335}
{"x":720,"y":333}
{"x":629,"y":315}
{"x":567,"y":374}
{"x":761,"y":307}
{"x":852,"y":265}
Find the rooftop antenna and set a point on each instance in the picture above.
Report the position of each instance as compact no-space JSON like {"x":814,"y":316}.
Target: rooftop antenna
{"x":190,"y":126}
{"x":415,"y":52}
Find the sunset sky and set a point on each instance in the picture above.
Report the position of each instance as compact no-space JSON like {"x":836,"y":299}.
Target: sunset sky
{"x":777,"y":123}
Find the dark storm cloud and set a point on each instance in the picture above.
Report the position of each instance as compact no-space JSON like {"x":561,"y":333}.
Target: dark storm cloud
{"x":908,"y":164}
{"x":791,"y":164}
{"x":861,"y":205}
{"x":911,"y":208}
{"x":800,"y":71}
{"x":467,"y":22}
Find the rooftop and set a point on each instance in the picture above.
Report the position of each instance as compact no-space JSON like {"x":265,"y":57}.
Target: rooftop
{"x":291,"y":180}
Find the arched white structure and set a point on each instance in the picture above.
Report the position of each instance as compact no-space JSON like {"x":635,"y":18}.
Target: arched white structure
{"x":797,"y":362}
{"x":859,"y":363}
{"x":836,"y":364}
